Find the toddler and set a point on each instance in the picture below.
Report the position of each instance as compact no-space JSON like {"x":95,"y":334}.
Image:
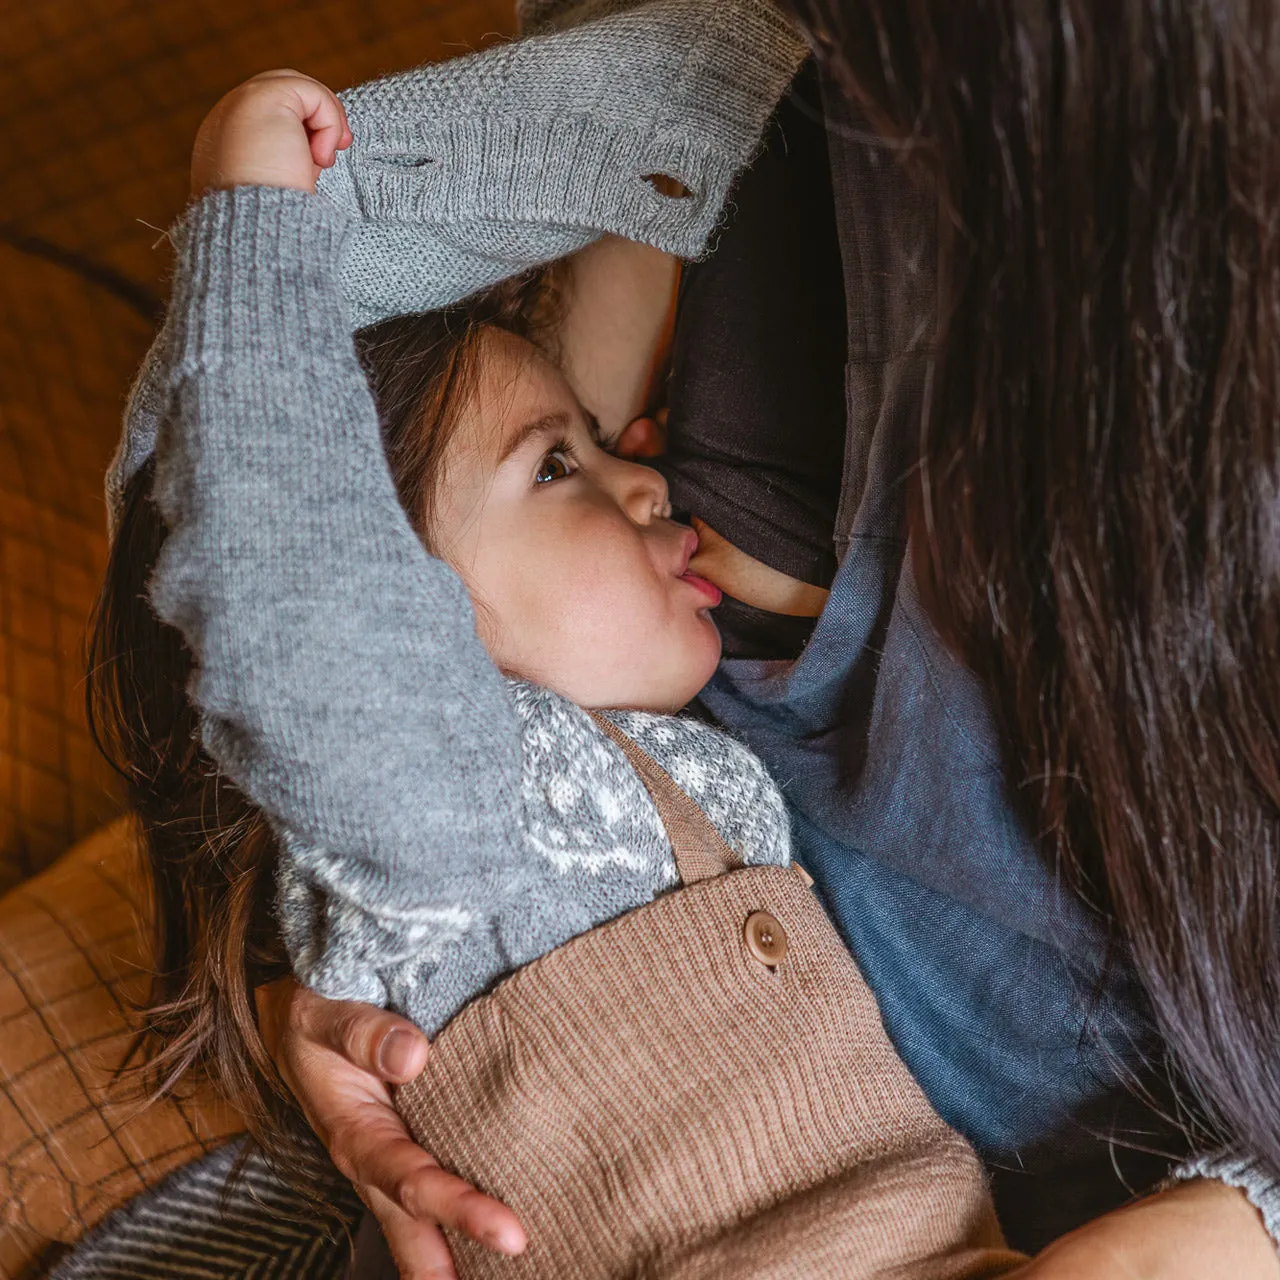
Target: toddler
{"x":648,"y":1039}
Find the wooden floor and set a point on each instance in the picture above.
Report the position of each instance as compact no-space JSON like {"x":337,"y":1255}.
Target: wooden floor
{"x":102,"y":99}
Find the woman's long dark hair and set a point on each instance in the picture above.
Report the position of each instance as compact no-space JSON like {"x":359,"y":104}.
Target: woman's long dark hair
{"x":1096,"y":522}
{"x":209,"y":852}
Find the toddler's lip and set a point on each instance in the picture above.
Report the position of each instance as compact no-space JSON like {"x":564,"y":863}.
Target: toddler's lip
{"x":709,"y":589}
{"x":704,"y":586}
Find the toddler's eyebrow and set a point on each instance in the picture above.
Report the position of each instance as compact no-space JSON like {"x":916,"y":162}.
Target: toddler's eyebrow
{"x":548,"y":424}
{"x":556,"y":423}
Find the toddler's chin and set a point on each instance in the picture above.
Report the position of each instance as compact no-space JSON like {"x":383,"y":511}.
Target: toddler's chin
{"x":683,"y":660}
{"x":703,"y":661}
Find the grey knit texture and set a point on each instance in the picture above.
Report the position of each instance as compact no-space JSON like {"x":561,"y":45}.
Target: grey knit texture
{"x":466,"y":171}
{"x":463,"y":173}
{"x":439,"y":825}
{"x":197,"y":1225}
{"x":594,"y":849}
{"x":1249,"y":1174}
{"x":339,"y":679}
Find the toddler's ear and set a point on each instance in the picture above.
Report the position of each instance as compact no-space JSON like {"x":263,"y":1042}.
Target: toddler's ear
{"x":643,"y":437}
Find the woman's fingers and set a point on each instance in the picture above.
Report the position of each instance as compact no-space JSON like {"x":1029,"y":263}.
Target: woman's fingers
{"x":371,"y":1148}
{"x":336,"y":1057}
{"x":381,"y":1043}
{"x":419,"y":1249}
{"x":368,"y":1143}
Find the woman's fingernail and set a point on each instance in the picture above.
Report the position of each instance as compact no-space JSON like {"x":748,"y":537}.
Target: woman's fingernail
{"x":395,"y":1054}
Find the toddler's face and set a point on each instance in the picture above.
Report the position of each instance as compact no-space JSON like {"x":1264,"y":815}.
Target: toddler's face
{"x":577,"y":570}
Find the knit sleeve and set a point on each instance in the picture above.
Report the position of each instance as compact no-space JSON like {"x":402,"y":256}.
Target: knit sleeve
{"x":1250,"y":1174}
{"x":339,"y":679}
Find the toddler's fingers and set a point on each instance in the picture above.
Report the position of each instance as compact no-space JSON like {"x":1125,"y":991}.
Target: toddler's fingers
{"x":319,"y":109}
{"x":328,"y":132}
{"x":325,"y":119}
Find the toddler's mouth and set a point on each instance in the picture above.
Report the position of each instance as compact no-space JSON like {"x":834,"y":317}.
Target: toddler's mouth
{"x":709,"y":590}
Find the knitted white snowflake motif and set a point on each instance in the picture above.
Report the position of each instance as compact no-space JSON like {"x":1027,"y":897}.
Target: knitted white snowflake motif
{"x":594,"y":848}
{"x":586,"y":808}
{"x":727,"y":780}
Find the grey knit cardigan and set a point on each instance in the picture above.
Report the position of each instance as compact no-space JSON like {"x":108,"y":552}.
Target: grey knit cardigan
{"x":463,"y":173}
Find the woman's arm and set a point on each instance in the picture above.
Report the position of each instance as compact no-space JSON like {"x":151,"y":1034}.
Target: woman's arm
{"x":1198,"y":1229}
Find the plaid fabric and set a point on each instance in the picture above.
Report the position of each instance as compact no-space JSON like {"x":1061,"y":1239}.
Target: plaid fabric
{"x":72,"y":960}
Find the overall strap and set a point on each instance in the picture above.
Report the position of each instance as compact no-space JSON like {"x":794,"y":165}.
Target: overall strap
{"x":699,"y":849}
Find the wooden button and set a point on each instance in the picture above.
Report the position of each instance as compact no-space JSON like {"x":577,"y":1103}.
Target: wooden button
{"x":766,"y":939}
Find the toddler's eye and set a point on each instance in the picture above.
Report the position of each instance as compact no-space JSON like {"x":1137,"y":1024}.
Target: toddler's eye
{"x":555,"y":466}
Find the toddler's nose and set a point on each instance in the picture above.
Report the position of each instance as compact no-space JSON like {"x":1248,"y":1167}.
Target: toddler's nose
{"x":645,"y":496}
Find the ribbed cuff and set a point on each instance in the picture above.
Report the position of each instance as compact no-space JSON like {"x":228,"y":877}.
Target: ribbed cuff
{"x":257,"y":274}
{"x":504,"y":154}
{"x":574,"y":172}
{"x":1246,"y":1173}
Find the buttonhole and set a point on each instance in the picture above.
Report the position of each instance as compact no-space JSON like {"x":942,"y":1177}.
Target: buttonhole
{"x":401,"y":161}
{"x":665,"y":185}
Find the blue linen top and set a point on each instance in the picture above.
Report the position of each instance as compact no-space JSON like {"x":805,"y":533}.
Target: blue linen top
{"x":990,"y":974}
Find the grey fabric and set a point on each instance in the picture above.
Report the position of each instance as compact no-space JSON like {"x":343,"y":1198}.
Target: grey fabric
{"x":197,"y":1224}
{"x":594,"y":848}
{"x":1250,"y":1174}
{"x":465,"y":172}
{"x":439,"y":826}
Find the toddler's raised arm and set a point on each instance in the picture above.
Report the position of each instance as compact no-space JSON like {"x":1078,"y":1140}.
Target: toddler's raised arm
{"x":339,"y":678}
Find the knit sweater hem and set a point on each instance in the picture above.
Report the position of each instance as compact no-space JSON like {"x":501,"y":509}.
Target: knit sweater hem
{"x":1246,"y":1173}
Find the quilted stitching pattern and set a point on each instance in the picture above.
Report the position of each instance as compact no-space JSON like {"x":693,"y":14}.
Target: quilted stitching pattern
{"x":73,"y":959}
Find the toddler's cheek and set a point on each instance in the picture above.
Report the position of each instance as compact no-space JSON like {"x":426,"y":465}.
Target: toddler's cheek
{"x":702,"y":655}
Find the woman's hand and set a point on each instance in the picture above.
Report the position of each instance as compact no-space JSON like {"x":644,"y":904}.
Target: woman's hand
{"x":1191,"y":1231}
{"x":338,"y":1057}
{"x":277,"y":130}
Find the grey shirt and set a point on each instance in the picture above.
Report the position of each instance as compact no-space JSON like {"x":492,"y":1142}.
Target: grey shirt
{"x":339,"y":678}
{"x":439,"y":825}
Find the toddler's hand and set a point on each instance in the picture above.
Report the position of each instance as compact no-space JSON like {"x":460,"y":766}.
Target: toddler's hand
{"x":278,"y":129}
